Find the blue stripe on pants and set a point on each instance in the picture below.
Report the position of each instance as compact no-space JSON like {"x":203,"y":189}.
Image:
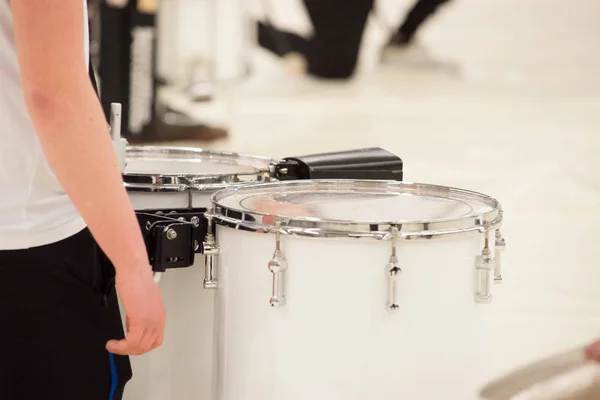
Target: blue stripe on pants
{"x":114,"y":378}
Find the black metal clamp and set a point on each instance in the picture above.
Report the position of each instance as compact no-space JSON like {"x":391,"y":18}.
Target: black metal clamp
{"x":173,"y":238}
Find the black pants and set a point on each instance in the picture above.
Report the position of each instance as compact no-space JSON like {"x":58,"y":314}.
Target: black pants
{"x":417,"y":15}
{"x":332,"y":52}
{"x":58,"y":308}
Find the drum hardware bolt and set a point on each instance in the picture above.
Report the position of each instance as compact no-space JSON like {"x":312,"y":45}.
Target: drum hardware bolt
{"x":148,"y":225}
{"x":158,"y":277}
{"x":211,"y":254}
{"x":283,"y":171}
{"x":266,"y":171}
{"x":277,"y":267}
{"x":195,"y":221}
{"x":393,"y":271}
{"x":160,"y":213}
{"x":171,"y":234}
{"x":172,"y":212}
{"x":500,"y":246}
{"x":485,"y":266}
{"x":181,"y":219}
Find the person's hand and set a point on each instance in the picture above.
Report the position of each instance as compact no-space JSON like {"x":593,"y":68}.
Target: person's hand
{"x":145,"y":312}
{"x":592,"y":352}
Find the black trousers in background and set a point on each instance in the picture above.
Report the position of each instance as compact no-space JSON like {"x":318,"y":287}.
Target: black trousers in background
{"x":338,"y":33}
{"x":58,"y":307}
{"x":417,"y":15}
{"x":332,"y":52}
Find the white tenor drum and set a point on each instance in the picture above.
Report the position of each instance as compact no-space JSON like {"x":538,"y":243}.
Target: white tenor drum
{"x":179,"y":177}
{"x":352,"y":290}
{"x":565,"y":376}
{"x":182,"y":179}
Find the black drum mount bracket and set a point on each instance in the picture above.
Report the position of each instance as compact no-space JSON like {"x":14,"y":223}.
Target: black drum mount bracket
{"x":173,"y":237}
{"x":372,"y":163}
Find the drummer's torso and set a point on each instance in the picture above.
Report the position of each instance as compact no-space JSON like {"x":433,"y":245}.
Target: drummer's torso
{"x":34,"y":210}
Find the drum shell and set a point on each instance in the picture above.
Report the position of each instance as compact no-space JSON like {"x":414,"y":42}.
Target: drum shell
{"x":169,"y":178}
{"x":195,"y":197}
{"x":182,"y":367}
{"x":144,"y":200}
{"x":335,"y":338}
{"x":200,"y":196}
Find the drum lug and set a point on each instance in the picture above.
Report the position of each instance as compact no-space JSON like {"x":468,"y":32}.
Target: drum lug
{"x":393,"y":271}
{"x":211,"y":256}
{"x":500,"y":246}
{"x":485,"y":267}
{"x":277,"y":266}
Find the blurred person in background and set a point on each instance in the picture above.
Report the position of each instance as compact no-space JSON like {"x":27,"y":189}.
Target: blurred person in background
{"x":420,"y":12}
{"x":332,"y":52}
{"x":62,"y":201}
{"x":124,"y":36}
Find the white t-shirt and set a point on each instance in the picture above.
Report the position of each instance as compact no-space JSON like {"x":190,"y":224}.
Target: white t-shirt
{"x":34,"y":208}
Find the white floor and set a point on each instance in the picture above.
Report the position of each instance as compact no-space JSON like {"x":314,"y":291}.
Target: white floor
{"x":520,"y":121}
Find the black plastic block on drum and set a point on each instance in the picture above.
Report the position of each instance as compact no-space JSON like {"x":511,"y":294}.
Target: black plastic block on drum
{"x":371,"y":163}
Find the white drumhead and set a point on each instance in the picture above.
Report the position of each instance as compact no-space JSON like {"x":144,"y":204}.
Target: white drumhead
{"x":189,"y":163}
{"x":366,"y":206}
{"x":350,"y":206}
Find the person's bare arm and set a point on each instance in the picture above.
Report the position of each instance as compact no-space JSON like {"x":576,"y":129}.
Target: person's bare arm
{"x":592,"y":351}
{"x":73,"y":133}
